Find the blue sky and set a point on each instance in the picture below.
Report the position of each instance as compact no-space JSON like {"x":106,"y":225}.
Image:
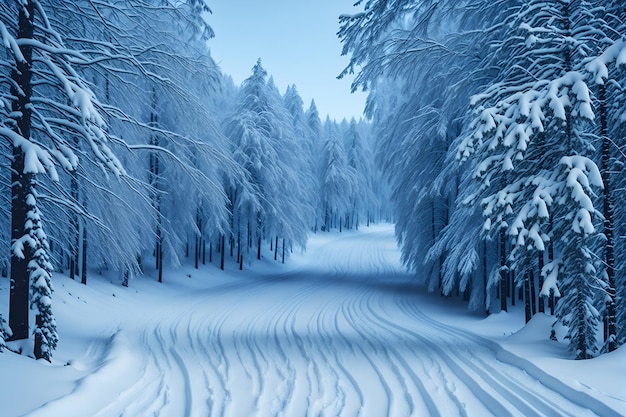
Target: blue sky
{"x":297,"y":43}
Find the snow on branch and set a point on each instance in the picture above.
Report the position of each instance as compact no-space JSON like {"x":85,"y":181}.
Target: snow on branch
{"x":503,"y":131}
{"x":614,"y":54}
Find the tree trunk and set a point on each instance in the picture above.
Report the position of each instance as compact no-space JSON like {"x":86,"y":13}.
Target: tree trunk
{"x":542,"y":308}
{"x":485,"y":278}
{"x":203,"y":246}
{"x":22,"y":183}
{"x":503,"y":274}
{"x":533,"y":294}
{"x":527,"y":298}
{"x":83,"y":269}
{"x":222,"y":252}
{"x":611,"y":304}
{"x":239,"y":253}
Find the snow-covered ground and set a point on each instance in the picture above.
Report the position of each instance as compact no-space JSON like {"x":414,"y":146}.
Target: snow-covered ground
{"x":338,"y":331}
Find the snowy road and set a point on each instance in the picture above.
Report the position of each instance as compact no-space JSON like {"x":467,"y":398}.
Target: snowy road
{"x":339,"y":335}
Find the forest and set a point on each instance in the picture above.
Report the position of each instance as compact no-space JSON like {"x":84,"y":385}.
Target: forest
{"x":500,"y":127}
{"x":126,"y":148}
{"x":494,"y":141}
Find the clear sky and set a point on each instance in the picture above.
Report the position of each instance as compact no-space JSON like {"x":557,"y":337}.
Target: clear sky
{"x":297,"y":43}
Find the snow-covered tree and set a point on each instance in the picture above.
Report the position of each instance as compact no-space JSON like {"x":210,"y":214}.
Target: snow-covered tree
{"x":534,"y":168}
{"x":271,"y":200}
{"x":315,"y":139}
{"x":44,"y":100}
{"x":361,"y":160}
{"x":337,"y":179}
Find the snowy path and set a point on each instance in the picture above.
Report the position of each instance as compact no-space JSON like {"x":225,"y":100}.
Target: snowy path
{"x":339,"y":335}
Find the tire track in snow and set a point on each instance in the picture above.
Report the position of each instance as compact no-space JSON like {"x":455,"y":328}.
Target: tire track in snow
{"x":514,"y":384}
{"x":341,"y":338}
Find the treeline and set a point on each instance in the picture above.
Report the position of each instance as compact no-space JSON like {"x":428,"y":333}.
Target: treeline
{"x":126,"y":149}
{"x":502,"y":131}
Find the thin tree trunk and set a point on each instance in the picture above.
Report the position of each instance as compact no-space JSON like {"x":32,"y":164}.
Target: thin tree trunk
{"x":223,"y":238}
{"x":125,"y":278}
{"x":503,"y":274}
{"x":551,"y":299}
{"x":611,"y":304}
{"x":239,"y":254}
{"x":83,"y":269}
{"x":197,"y":252}
{"x":485,"y":278}
{"x":527,"y":312}
{"x":533,"y":294}
{"x":542,"y":308}
{"x":203,"y":251}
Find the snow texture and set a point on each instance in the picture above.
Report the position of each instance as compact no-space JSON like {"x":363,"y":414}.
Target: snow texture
{"x":341,"y":331}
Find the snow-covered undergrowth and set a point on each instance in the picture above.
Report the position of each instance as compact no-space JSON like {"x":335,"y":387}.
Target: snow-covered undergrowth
{"x":340,"y":330}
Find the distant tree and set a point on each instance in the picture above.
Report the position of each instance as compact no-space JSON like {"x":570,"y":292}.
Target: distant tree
{"x":315,"y":139}
{"x":361,"y":160}
{"x":264,"y":145}
{"x":337,"y":179}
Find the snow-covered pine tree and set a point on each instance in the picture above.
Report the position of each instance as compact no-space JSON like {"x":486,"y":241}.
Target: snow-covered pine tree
{"x":305,"y":144}
{"x":271,"y":199}
{"x":159,"y":74}
{"x":607,"y":73}
{"x":435,"y":69}
{"x":315,"y":139}
{"x":360,"y":158}
{"x":337,"y":179}
{"x":530,"y":127}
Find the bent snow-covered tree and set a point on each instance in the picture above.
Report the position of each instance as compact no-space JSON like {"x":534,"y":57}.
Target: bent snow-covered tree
{"x":43,"y":101}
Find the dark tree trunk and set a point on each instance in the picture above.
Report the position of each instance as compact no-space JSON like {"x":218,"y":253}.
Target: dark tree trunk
{"x":197,"y":252}
{"x":533,"y":294}
{"x":283,"y":250}
{"x":160,"y":264}
{"x":74,"y":223}
{"x":258,"y":250}
{"x":485,"y":278}
{"x":239,"y":253}
{"x":22,"y":183}
{"x":527,"y":298}
{"x":513,"y":289}
{"x":203,"y":245}
{"x":222,"y":252}
{"x":125,"y":278}
{"x":155,"y":183}
{"x":542,"y":308}
{"x":83,"y":268}
{"x":611,"y":305}
{"x":503,"y":272}
{"x":276,"y":249}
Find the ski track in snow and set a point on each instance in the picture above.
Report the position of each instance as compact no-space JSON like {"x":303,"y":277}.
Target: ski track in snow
{"x":342,"y":337}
